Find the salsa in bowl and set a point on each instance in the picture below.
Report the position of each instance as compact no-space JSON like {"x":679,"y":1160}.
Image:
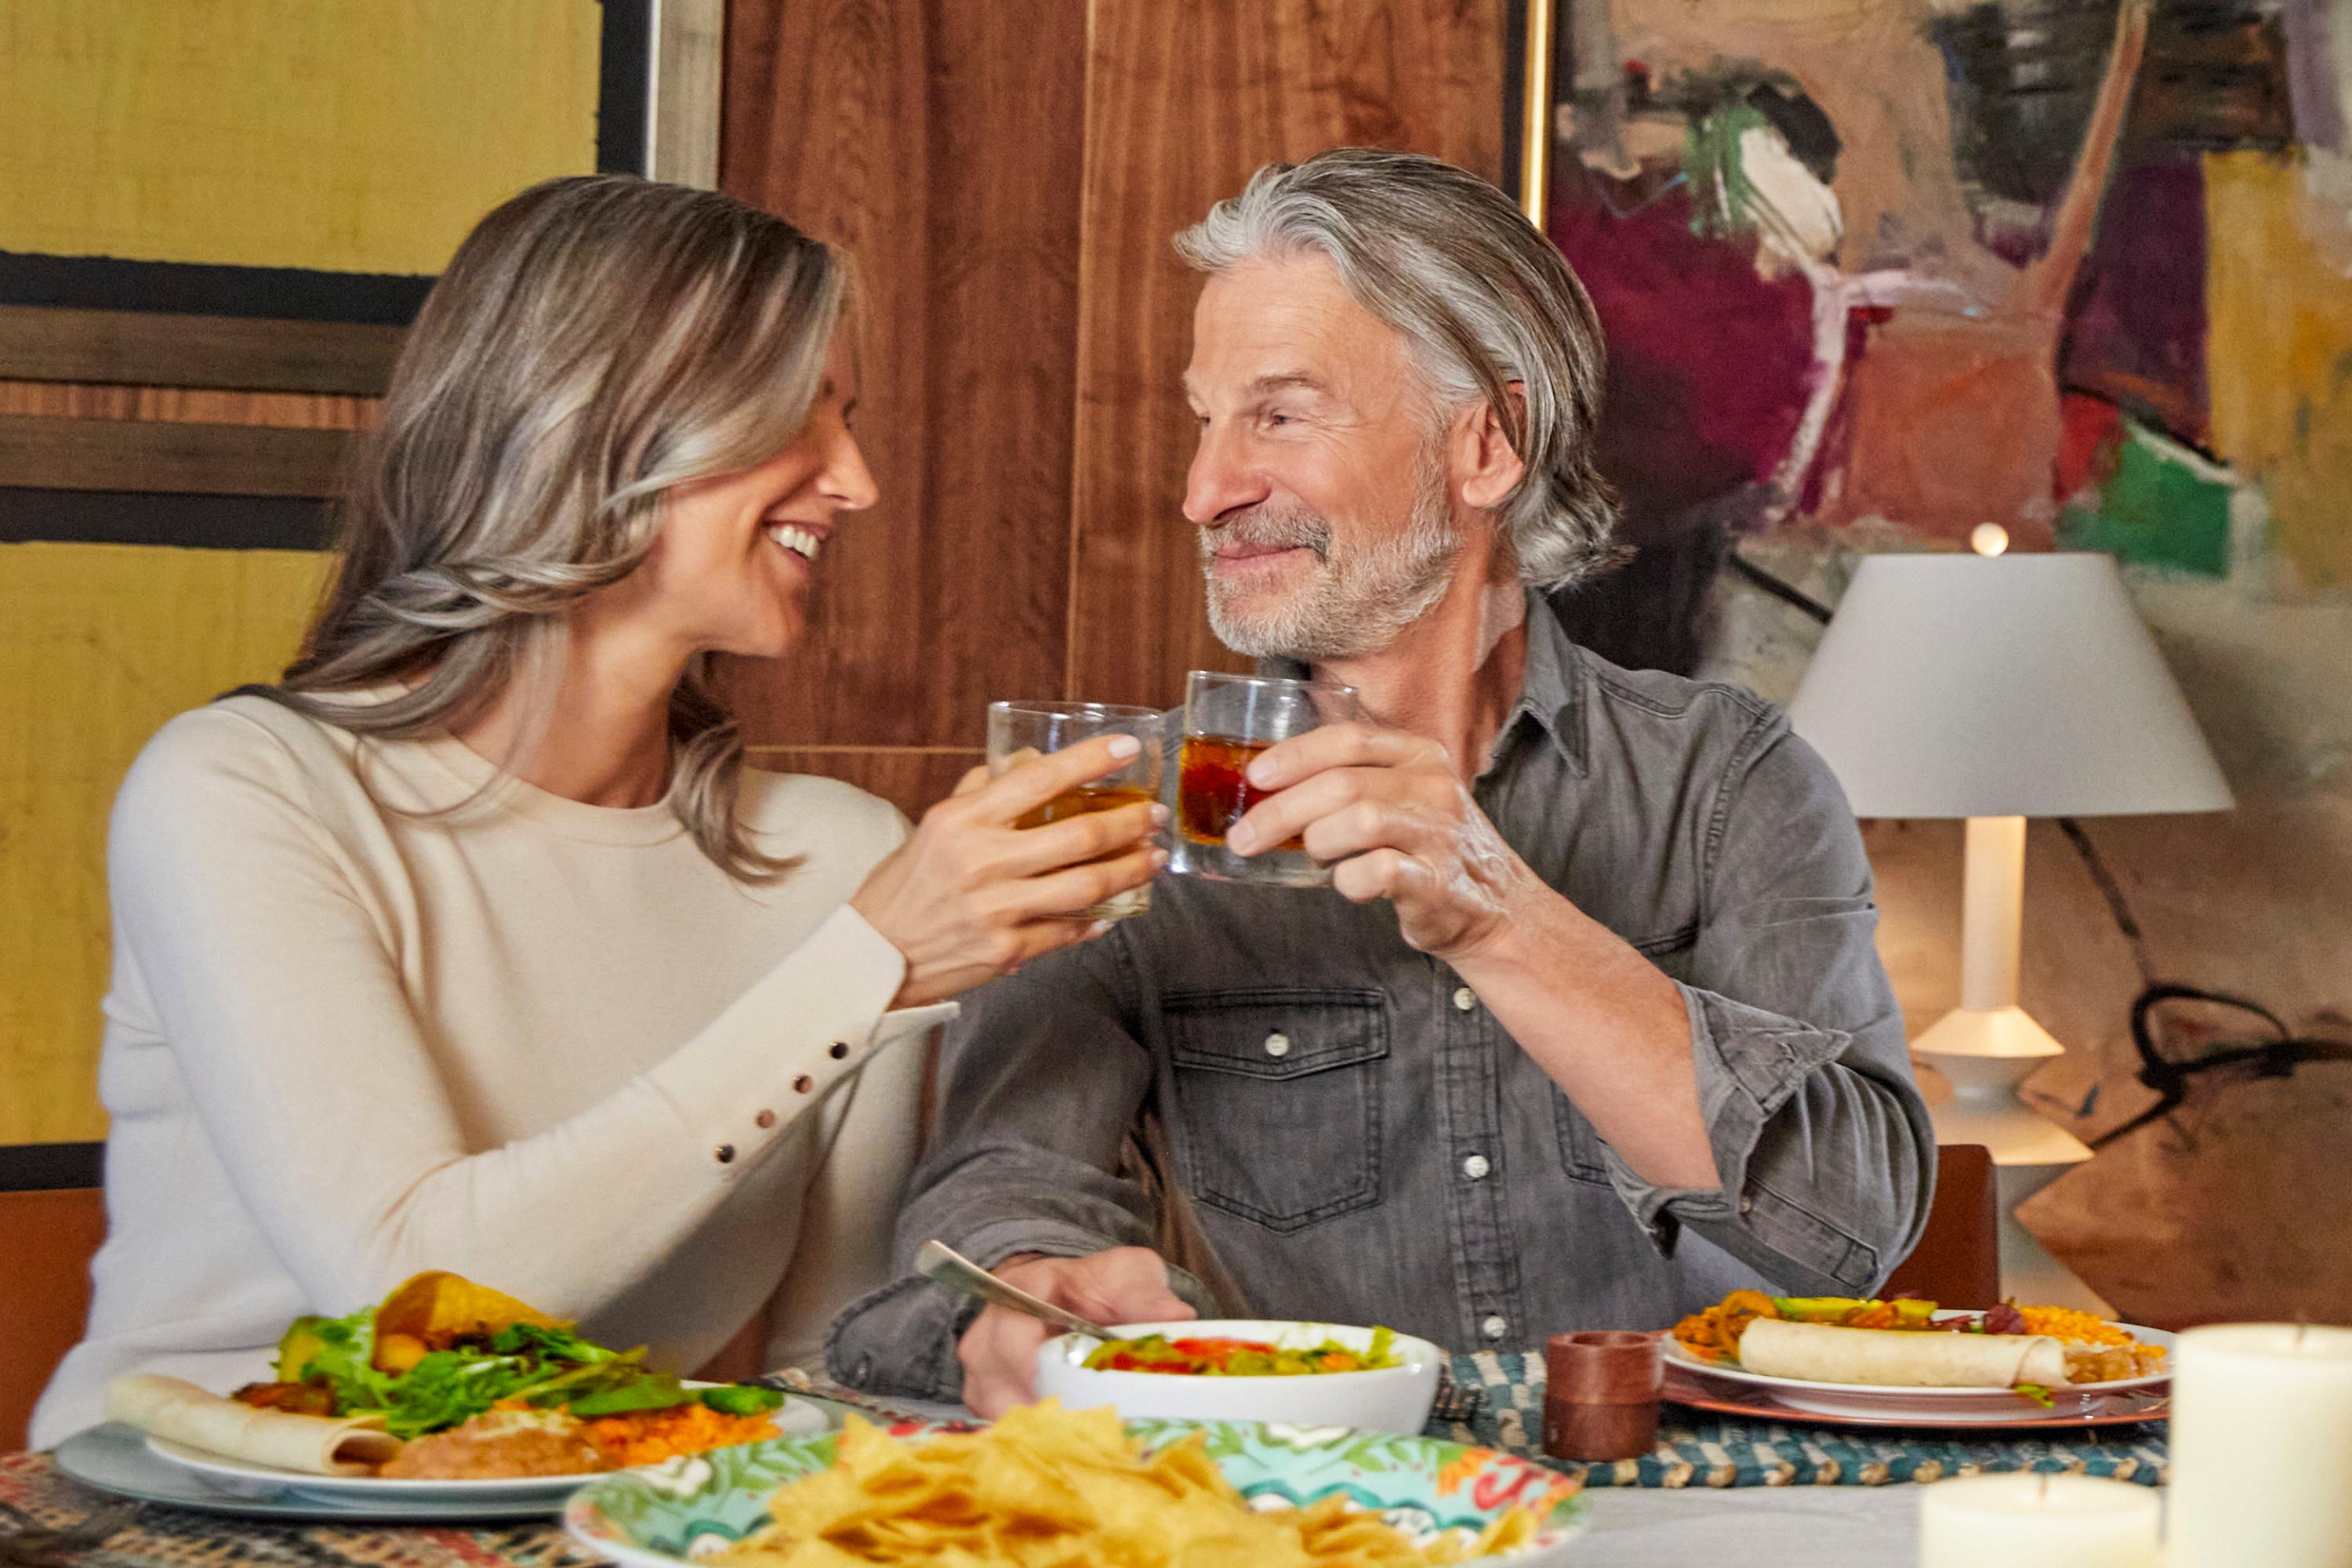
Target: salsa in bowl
{"x":1299,"y":1373}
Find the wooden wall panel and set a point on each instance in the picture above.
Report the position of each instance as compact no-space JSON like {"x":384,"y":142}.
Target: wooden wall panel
{"x":1183,"y":103}
{"x":938,"y":140}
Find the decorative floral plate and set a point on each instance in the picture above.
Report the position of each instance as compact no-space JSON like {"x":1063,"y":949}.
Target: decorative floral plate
{"x":687,"y":1509}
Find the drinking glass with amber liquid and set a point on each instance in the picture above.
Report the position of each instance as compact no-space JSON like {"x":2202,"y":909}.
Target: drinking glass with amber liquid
{"x":1229,"y":722}
{"x":1019,"y":733}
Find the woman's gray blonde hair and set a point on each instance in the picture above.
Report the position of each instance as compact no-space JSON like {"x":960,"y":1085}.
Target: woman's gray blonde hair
{"x":596,"y":342}
{"x":1484,"y":300}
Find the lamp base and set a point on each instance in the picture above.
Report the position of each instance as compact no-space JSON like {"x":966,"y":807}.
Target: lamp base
{"x":1985,"y":1053}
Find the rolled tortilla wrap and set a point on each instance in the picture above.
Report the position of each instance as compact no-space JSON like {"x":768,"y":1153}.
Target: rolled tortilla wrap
{"x":1900,"y":1358}
{"x":180,"y":1412}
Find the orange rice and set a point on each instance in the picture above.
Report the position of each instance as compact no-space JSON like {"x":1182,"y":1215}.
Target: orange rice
{"x":649,"y":1437}
{"x":2073,"y":1327}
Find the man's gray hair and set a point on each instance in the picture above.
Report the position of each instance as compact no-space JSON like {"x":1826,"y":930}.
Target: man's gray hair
{"x":1484,"y":300}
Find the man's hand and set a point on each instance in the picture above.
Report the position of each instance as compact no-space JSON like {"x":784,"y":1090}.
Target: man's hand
{"x":1388,"y":810}
{"x":999,"y":1351}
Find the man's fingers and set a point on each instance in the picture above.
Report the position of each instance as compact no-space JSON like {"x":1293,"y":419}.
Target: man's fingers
{"x":999,"y":1352}
{"x":1336,"y":746}
{"x":1283,"y":817}
{"x":1378,"y":874}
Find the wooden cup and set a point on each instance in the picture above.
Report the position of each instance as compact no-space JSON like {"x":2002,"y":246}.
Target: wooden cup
{"x":1602,"y":1393}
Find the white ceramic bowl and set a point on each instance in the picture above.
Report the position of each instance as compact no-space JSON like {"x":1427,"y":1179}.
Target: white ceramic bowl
{"x":1390,"y":1399}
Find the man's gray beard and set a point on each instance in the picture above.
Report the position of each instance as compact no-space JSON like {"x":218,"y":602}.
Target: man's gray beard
{"x":1355,"y":603}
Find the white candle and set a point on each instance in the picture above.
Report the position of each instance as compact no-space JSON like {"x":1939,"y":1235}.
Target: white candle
{"x":2038,"y":1521}
{"x":2262,"y":1447}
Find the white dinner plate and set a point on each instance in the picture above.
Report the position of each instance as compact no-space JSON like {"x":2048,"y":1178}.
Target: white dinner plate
{"x":115,"y":1459}
{"x":795,"y":1417}
{"x":1928,"y":1404}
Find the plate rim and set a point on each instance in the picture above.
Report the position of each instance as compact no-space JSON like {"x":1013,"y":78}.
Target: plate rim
{"x":413,"y":1490}
{"x":110,"y":1439}
{"x":1706,"y":1400}
{"x":1681,"y":1358}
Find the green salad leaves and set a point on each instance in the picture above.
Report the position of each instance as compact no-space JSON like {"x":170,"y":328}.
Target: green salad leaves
{"x":546,"y":1368}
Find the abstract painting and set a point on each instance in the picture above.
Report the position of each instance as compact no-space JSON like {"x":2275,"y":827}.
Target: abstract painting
{"x":1876,"y":272}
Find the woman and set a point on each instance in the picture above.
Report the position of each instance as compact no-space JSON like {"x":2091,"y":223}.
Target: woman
{"x":473,"y":945}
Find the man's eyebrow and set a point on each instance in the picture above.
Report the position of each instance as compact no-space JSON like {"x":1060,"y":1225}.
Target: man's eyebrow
{"x":1285,"y":381}
{"x":1273,"y":381}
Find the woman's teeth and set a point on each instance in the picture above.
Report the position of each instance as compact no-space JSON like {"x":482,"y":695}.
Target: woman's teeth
{"x":799,"y":541}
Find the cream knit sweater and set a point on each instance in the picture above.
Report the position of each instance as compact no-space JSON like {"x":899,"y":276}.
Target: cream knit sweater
{"x":547,"y":1046}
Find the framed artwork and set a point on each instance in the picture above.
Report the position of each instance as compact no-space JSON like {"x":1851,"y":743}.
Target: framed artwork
{"x":1888,"y":271}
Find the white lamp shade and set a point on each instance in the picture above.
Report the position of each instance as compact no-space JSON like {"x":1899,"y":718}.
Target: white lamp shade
{"x":1962,"y":685}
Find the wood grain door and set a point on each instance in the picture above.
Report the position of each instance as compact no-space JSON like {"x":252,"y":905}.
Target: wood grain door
{"x":1009,"y":175}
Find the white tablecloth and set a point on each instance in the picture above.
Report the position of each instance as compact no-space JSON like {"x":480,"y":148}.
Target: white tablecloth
{"x":1751,"y":1527}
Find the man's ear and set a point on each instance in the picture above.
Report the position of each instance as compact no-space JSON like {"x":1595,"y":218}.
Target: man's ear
{"x":1485,"y":469}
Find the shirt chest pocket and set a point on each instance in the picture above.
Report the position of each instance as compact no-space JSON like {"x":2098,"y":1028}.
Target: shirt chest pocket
{"x":1278,"y":1102}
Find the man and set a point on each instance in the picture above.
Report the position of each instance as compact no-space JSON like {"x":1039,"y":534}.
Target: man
{"x":1589,"y":1029}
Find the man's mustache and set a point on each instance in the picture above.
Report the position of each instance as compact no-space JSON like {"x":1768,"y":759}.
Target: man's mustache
{"x":1269,"y":529}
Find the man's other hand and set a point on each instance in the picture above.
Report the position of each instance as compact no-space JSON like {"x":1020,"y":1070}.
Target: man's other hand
{"x":999,"y":1351}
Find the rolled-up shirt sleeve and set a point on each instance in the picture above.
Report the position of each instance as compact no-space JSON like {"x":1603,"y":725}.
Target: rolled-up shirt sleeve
{"x":1039,"y":1082}
{"x":1821,"y":1139}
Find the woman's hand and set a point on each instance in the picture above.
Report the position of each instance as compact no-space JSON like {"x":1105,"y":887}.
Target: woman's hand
{"x":971,"y":897}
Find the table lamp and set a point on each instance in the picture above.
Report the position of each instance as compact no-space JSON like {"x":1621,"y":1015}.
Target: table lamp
{"x":1995,"y":687}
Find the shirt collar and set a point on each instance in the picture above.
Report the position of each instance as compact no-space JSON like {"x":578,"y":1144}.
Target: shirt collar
{"x":1551,"y":686}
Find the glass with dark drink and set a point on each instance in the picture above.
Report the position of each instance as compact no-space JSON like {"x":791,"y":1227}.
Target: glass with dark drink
{"x":1022,"y":732}
{"x":1230,"y":720}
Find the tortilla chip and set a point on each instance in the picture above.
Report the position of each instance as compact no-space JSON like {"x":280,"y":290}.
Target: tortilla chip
{"x":1048,"y":1487}
{"x":438,"y":1309}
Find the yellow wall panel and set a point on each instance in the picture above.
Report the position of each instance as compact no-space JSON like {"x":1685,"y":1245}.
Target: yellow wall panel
{"x":346,"y":135}
{"x":103,"y":643}
{"x":2278,"y":345}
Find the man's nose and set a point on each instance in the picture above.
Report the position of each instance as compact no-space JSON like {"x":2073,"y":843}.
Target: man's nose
{"x":1220,"y":480}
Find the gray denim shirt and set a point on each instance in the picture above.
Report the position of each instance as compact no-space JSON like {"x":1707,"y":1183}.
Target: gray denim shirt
{"x":1362,"y":1142}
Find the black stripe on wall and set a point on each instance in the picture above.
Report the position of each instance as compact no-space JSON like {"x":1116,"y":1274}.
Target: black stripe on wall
{"x":46,"y":1167}
{"x":625,"y":86}
{"x":110,"y":283}
{"x":189,"y":521}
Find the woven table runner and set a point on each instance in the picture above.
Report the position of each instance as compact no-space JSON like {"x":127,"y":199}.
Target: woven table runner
{"x":1697,"y":1450}
{"x":38,"y":1503}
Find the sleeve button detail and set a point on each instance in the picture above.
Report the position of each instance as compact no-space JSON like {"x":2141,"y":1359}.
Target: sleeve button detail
{"x":765,"y":1120}
{"x":723,"y":1154}
{"x":803,"y":1084}
{"x":840,"y":1049}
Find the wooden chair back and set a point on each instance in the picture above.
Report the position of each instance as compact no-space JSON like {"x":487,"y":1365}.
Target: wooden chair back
{"x":47,"y":1238}
{"x":1958,"y":1260}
